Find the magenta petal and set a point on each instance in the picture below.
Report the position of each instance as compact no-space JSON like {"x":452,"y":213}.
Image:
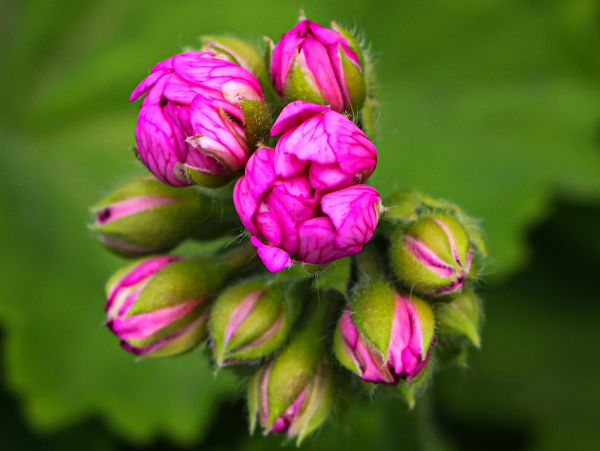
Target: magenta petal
{"x":260,"y":171}
{"x":310,"y":142}
{"x":266,"y":222}
{"x":295,"y":114}
{"x":144,"y":325}
{"x":353,"y":212}
{"x":401,"y":334}
{"x":275,"y":259}
{"x":286,"y":165}
{"x":130,"y":206}
{"x":319,"y":65}
{"x":245,"y":204}
{"x":316,"y":242}
{"x":328,"y":176}
{"x":146,"y":84}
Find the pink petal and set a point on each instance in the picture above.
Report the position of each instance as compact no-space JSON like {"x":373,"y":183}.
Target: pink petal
{"x":266,"y":222}
{"x":316,"y":242}
{"x":144,"y":325}
{"x":353,"y":212}
{"x":146,"y":84}
{"x":310,"y":142}
{"x":245,"y":204}
{"x":274,"y":258}
{"x":130,"y":206}
{"x":295,"y":114}
{"x":401,"y":334}
{"x":287,"y":165}
{"x":319,"y":65}
{"x":260,"y":171}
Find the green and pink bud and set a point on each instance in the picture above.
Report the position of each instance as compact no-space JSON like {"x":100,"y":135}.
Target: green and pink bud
{"x":433,"y":256}
{"x":200,"y":120}
{"x":145,"y":217}
{"x":319,"y":65}
{"x":385,"y":335}
{"x":159,"y":306}
{"x":250,"y":321}
{"x":294,"y":393}
{"x":461,"y":317}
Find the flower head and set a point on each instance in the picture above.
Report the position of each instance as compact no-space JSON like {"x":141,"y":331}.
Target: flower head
{"x":302,"y":200}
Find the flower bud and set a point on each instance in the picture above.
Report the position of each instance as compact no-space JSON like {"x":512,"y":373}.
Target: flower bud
{"x":249,"y":321}
{"x":384,"y":336}
{"x":158,"y":306}
{"x":303,"y":200}
{"x":433,"y":256}
{"x":461,"y":317}
{"x":241,"y":53}
{"x":294,"y":393}
{"x":319,"y":65}
{"x":200,"y":120}
{"x":145,"y":217}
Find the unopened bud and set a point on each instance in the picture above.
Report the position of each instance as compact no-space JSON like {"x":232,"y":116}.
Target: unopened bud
{"x":294,"y":393}
{"x":145,"y":217}
{"x":385,"y":335}
{"x":461,"y":317}
{"x":159,"y":306}
{"x":319,"y":65}
{"x":433,"y":256}
{"x":249,"y":321}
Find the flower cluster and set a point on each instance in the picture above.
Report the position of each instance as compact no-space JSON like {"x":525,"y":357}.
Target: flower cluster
{"x":311,"y":274}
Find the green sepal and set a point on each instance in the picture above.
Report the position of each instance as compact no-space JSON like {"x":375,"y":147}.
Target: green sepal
{"x":241,"y":53}
{"x":181,"y":281}
{"x":317,"y":405}
{"x":373,"y":307}
{"x":340,"y":351}
{"x":411,"y":389}
{"x":462,"y":317}
{"x":352,"y":42}
{"x":208,"y":180}
{"x":336,"y":275}
{"x":368,"y":118}
{"x":254,"y":398}
{"x":257,"y":122}
{"x":355,"y":82}
{"x":297,"y":86}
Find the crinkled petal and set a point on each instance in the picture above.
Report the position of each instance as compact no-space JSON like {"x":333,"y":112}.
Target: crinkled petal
{"x":295,"y":114}
{"x":266,"y":222}
{"x":353,"y":212}
{"x":245,"y":204}
{"x":316,"y":242}
{"x":260,"y":171}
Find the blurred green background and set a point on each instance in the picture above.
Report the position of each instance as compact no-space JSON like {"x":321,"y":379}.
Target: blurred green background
{"x":492,"y":104}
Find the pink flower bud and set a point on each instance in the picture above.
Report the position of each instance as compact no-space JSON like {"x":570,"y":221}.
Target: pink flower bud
{"x":192,"y":126}
{"x":319,"y":65}
{"x":302,"y":201}
{"x":159,"y":306}
{"x":398,"y":346}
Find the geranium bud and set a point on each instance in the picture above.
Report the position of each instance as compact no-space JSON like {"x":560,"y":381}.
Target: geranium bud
{"x":145,"y":217}
{"x":250,"y":321}
{"x":433,"y":256}
{"x":384,"y":335}
{"x":461,"y":317}
{"x":319,"y":65}
{"x":302,"y":200}
{"x":239,"y":52}
{"x":159,"y":306}
{"x":200,"y":120}
{"x":294,"y":393}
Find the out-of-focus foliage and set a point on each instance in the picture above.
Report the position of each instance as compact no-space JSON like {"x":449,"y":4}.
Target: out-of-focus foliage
{"x":493,"y":105}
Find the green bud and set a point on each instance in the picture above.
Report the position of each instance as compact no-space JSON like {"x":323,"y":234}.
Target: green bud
{"x":461,"y":317}
{"x":294,"y":393}
{"x":145,"y":217}
{"x":433,"y":256}
{"x":251,"y":320}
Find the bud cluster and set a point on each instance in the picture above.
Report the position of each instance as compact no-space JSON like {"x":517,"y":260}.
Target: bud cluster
{"x":304,"y":282}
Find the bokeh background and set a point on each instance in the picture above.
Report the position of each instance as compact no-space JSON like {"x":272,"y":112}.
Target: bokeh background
{"x":492,"y":104}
